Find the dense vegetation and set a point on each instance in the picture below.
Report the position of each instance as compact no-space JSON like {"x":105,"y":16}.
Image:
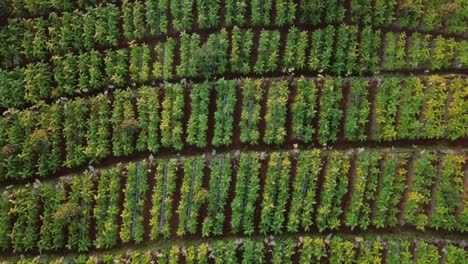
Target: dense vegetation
{"x":233,"y":131}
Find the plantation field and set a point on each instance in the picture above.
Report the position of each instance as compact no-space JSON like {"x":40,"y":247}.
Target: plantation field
{"x":233,"y":131}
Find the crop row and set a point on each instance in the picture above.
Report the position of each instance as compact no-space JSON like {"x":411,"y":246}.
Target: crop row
{"x":71,"y":133}
{"x":142,"y":18}
{"x":302,"y":249}
{"x":343,"y":50}
{"x":272,"y":193}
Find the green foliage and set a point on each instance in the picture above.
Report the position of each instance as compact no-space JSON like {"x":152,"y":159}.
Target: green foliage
{"x":335,"y":187}
{"x":330,"y":114}
{"x":358,"y":111}
{"x":364,"y":190}
{"x":163,"y":68}
{"x":304,"y":109}
{"x":304,"y":191}
{"x":74,"y":130}
{"x":285,"y":12}
{"x":107,"y":208}
{"x":268,"y":52}
{"x":192,"y":195}
{"x":296,"y":45}
{"x":217,"y":197}
{"x":132,"y":228}
{"x":156,"y":16}
{"x":275,"y":193}
{"x":246,"y":194}
{"x":78,"y":216}
{"x":116,"y":67}
{"x":276,"y":112}
{"x":241,"y":50}
{"x":162,"y":198}
{"x":148,"y":118}
{"x":125,"y":126}
{"x":224,"y":115}
{"x":98,"y":135}
{"x":208,"y":13}
{"x":447,"y":196}
{"x":457,"y":125}
{"x":171,"y":116}
{"x":391,"y":187}
{"x":435,"y":101}
{"x":387,"y":102}
{"x":411,"y":103}
{"x":236,"y":12}
{"x":182,"y":16}
{"x":260,"y":11}
{"x":252,"y":94}
{"x":419,"y":197}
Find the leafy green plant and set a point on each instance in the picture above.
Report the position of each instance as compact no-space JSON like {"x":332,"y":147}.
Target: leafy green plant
{"x":433,"y":124}
{"x":364,"y":190}
{"x":220,"y":180}
{"x":224,"y":116}
{"x":447,"y":196}
{"x":268,"y":52}
{"x":419,"y":51}
{"x":304,"y":109}
{"x":333,"y":191}
{"x":192,"y":196}
{"x":148,"y":118}
{"x":275,"y":116}
{"x":77,"y":212}
{"x":310,"y":11}
{"x":391,"y":187}
{"x":125,"y":126}
{"x":236,"y":12}
{"x":156,"y":16}
{"x":241,"y":50}
{"x":275,"y":193}
{"x":181,"y":12}
{"x":443,"y":53}
{"x":116,"y":67}
{"x":140,"y":63}
{"x":74,"y":130}
{"x":25,"y":230}
{"x":304,"y":191}
{"x":252,"y":94}
{"x":188,"y":46}
{"x":5,"y":220}
{"x":419,"y":196}
{"x":457,"y":124}
{"x":295,"y":51}
{"x":162,"y":198}
{"x":208,"y":13}
{"x":171,"y":116}
{"x":246,"y":194}
{"x":358,"y":110}
{"x":163,"y":68}
{"x":387,"y":101}
{"x":107,"y":208}
{"x":260,"y":10}
{"x":412,"y":100}
{"x":285,"y":12}
{"x":330,"y":114}
{"x":98,"y":134}
{"x":132,"y":228}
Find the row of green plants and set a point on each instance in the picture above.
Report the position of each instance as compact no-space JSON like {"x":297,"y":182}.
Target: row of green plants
{"x":299,"y":249}
{"x":438,"y":15}
{"x":272,"y":193}
{"x":342,"y":51}
{"x":68,"y":134}
{"x":413,"y":108}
